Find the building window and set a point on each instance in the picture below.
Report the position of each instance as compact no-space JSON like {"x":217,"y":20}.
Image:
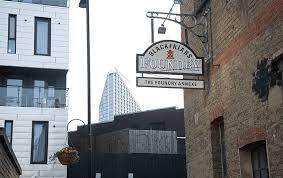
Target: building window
{"x":39,"y":142}
{"x":14,"y":92}
{"x":259,"y":161}
{"x":42,"y":36}
{"x":51,"y":96}
{"x":39,"y":93}
{"x":253,"y":160}
{"x":12,"y":30}
{"x":9,"y":130}
{"x":218,"y":148}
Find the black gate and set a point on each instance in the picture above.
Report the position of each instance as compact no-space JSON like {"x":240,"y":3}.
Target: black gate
{"x":141,"y":165}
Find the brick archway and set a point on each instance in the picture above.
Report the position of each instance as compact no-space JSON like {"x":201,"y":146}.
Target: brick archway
{"x":251,"y":135}
{"x":216,"y":112}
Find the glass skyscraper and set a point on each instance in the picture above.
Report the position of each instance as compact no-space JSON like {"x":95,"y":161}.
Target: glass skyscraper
{"x":116,"y":98}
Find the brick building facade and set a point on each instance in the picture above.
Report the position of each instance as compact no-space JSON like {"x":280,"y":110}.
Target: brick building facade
{"x":9,"y":166}
{"x":237,"y":120}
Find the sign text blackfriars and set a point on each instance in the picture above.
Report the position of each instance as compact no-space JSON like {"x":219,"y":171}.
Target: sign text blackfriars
{"x":169,"y":57}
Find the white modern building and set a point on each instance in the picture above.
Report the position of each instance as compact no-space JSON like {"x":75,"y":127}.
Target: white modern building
{"x":116,"y":98}
{"x":34,"y":54}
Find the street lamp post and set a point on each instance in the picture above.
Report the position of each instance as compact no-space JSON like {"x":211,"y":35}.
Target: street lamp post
{"x":85,"y":4}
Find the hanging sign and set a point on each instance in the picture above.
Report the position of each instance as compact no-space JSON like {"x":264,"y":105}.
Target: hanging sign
{"x":169,"y":83}
{"x":169,"y":57}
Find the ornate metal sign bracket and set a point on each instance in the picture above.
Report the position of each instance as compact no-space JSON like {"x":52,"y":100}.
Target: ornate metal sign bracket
{"x":198,"y":26}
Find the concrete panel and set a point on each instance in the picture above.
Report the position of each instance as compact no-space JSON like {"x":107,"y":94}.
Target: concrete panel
{"x":25,"y":34}
{"x":23,"y":117}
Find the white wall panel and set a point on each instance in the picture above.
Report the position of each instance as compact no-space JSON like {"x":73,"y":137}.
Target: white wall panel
{"x":22,"y":133}
{"x":26,"y":14}
{"x":24,"y":57}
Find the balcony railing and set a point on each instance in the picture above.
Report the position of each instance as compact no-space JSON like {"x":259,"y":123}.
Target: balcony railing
{"x":19,"y":96}
{"x":61,"y":3}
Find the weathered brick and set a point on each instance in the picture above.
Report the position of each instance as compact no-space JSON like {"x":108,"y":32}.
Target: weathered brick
{"x":8,"y":169}
{"x":251,"y":135}
{"x":244,"y":32}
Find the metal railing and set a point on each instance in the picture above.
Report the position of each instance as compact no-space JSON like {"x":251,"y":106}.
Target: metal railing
{"x":61,"y":3}
{"x":21,"y":96}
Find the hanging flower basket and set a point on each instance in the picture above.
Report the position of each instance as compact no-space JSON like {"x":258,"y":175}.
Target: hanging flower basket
{"x":67,"y":155}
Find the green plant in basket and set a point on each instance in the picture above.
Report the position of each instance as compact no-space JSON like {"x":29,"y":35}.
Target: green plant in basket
{"x":66,"y":156}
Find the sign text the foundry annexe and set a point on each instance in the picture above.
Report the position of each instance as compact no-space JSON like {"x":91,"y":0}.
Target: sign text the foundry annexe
{"x":171,"y":82}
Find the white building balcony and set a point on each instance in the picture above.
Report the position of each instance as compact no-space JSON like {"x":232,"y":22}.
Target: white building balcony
{"x":21,"y":96}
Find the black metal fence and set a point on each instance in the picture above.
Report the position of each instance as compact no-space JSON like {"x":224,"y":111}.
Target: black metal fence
{"x":141,"y":165}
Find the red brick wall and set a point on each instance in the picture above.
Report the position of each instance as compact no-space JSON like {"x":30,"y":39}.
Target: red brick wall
{"x":250,"y":136}
{"x":244,"y":32}
{"x":263,"y":20}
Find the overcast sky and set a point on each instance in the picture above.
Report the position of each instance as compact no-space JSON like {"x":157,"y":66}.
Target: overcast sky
{"x":119,"y":30}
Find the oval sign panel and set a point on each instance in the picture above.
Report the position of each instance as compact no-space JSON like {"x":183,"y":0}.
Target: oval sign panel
{"x":169,"y":57}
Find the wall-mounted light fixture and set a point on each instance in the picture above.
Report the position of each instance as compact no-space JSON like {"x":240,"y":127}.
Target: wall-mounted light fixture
{"x":161,"y":29}
{"x":197,"y":26}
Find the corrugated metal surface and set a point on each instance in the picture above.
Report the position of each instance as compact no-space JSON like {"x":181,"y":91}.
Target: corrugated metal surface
{"x":153,"y":141}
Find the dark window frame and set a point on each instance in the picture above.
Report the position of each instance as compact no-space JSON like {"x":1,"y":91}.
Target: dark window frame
{"x":256,"y":150}
{"x":46,"y":142}
{"x":223,"y":148}
{"x":42,"y":19}
{"x":15,"y":35}
{"x":218,"y":132}
{"x":9,"y":121}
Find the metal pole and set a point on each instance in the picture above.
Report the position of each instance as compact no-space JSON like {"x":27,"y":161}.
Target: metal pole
{"x":152,"y":29}
{"x":186,"y":37}
{"x":88,"y":93}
